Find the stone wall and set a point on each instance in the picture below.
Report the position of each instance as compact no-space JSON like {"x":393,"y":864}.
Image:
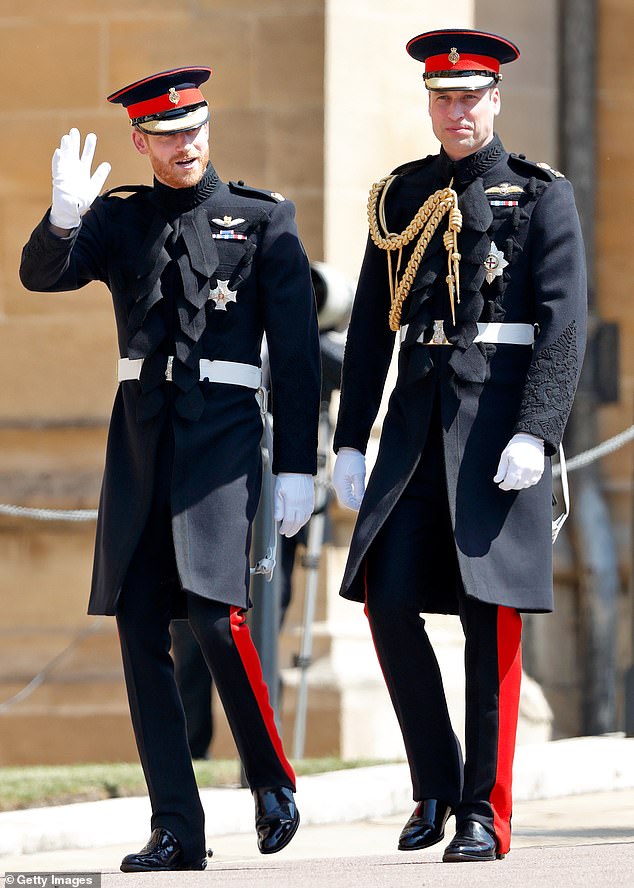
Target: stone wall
{"x":58,"y":352}
{"x":313,"y":98}
{"x":614,"y":276}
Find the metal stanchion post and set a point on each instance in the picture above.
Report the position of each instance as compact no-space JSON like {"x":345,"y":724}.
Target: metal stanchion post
{"x":629,"y":673}
{"x":264,"y":616}
{"x":629,"y":692}
{"x":311,"y":561}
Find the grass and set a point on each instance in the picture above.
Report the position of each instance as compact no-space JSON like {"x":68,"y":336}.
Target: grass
{"x":42,"y":785}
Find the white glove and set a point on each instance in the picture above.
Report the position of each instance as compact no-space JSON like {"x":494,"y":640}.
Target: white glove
{"x":294,"y":501}
{"x":74,"y":189}
{"x":348,"y":477}
{"x":522,"y":462}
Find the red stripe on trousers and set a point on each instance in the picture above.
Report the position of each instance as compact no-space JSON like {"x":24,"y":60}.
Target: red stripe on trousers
{"x":509,"y":638}
{"x":251,"y":662}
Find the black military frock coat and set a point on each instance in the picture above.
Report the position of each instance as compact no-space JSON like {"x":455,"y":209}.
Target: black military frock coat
{"x":162,"y":252}
{"x":487,"y":393}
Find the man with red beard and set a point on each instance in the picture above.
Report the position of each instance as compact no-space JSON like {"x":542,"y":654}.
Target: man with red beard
{"x":199,"y":270}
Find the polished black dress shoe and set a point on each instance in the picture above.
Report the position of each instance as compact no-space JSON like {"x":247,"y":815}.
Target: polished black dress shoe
{"x":162,"y":852}
{"x":276,"y":818}
{"x":471,"y":842}
{"x":426,"y":826}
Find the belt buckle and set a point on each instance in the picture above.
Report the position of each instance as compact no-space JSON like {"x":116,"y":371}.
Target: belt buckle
{"x":168,"y":368}
{"x":438,"y":336}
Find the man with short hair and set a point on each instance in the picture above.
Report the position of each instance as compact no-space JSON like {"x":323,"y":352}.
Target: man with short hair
{"x":199,"y":271}
{"x":475,"y":259}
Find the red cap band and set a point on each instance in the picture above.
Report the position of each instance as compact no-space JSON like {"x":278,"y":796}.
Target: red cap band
{"x":166,"y":102}
{"x":466,"y":62}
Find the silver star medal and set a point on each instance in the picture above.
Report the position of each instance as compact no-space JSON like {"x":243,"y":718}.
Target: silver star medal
{"x":495,"y":263}
{"x":221,"y":295}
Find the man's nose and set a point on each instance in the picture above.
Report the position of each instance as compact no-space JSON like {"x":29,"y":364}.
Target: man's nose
{"x":456,"y":110}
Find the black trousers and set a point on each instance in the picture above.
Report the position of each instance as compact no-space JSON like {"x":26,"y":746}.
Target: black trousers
{"x":194,"y":683}
{"x":144,"y":612}
{"x":414,"y":533}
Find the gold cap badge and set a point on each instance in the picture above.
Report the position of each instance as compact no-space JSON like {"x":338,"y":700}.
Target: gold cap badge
{"x":173,"y":96}
{"x":454,"y":56}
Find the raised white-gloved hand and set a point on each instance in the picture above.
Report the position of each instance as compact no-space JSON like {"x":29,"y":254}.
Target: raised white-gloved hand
{"x":74,"y":189}
{"x":294,"y":501}
{"x":348,"y":477}
{"x":522,"y":462}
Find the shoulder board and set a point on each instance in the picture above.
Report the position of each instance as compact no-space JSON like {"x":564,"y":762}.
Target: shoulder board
{"x":539,"y":169}
{"x":260,"y":193}
{"x":413,"y":165}
{"x":129,"y":188}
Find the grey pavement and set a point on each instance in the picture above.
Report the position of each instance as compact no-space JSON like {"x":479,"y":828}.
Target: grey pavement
{"x":573,"y":823}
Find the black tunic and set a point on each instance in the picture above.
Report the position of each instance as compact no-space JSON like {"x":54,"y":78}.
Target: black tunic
{"x":487,"y":393}
{"x":161,"y":251}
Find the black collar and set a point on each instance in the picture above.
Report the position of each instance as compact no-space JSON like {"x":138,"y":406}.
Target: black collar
{"x":469,"y":168}
{"x":180,"y":200}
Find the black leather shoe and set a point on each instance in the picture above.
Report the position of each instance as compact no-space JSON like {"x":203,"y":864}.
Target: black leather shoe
{"x":162,"y":852}
{"x":426,"y":826}
{"x":276,"y":818}
{"x":471,"y":842}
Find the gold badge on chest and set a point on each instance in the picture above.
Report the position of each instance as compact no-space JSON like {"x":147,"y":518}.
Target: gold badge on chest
{"x":504,"y":188}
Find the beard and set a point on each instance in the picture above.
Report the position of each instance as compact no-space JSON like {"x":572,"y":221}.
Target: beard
{"x":171,"y":172}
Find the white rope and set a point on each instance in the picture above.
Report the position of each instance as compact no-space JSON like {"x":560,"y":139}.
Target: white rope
{"x":49,"y":514}
{"x":595,"y":453}
{"x":43,"y":674}
{"x":577,"y":462}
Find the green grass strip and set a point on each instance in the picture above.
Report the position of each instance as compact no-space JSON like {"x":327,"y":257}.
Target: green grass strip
{"x":43,"y":785}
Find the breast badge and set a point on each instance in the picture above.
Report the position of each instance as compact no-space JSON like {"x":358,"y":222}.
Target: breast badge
{"x":222,"y":295}
{"x":227,"y":232}
{"x":504,"y":188}
{"x":501,"y":195}
{"x":227,"y":222}
{"x":495,"y":263}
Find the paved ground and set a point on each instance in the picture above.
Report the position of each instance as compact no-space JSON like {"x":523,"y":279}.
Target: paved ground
{"x":573,"y":826}
{"x":583,"y":840}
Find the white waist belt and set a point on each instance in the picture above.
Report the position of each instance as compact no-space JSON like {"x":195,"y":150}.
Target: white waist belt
{"x":230,"y":372}
{"x":234,"y":373}
{"x":493,"y":333}
{"x":507,"y":334}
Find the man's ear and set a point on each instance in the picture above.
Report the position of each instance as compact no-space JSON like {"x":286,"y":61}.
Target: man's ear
{"x":138,"y":140}
{"x":496,"y":98}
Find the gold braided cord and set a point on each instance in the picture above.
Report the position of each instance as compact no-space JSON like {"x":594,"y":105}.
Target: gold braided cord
{"x":425,"y":223}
